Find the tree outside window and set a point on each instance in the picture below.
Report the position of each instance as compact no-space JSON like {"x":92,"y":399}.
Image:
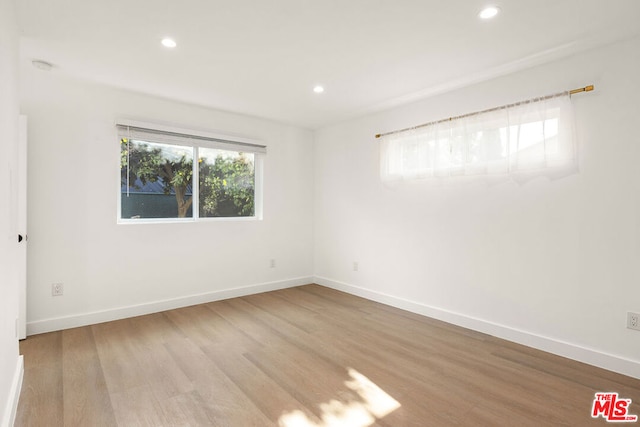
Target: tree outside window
{"x":157,"y":181}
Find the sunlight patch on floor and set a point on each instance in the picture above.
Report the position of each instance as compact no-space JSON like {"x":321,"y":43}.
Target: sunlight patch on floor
{"x":372,"y":403}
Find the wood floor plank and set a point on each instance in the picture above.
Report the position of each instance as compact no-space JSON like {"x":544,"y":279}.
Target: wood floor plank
{"x":324,"y":356}
{"x":222,"y":400}
{"x":205,"y":327}
{"x":41,"y":398}
{"x":265,"y":393}
{"x":116,"y":351}
{"x":86,"y":398}
{"x":307,"y":356}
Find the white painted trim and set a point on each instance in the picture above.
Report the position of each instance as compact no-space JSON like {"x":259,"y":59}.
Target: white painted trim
{"x":11,"y":407}
{"x":90,"y":318}
{"x":561,"y":348}
{"x":22,"y":227}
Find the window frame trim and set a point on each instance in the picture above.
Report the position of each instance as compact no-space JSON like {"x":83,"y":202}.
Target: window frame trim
{"x":200,"y":138}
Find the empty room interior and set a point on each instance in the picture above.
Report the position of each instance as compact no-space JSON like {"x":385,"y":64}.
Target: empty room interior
{"x":319,"y":214}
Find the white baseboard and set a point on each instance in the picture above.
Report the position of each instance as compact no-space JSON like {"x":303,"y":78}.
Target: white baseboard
{"x":91,"y":318}
{"x":550,"y":345}
{"x":11,"y":406}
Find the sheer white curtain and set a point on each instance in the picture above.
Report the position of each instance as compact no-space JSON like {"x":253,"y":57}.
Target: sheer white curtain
{"x":519,"y":141}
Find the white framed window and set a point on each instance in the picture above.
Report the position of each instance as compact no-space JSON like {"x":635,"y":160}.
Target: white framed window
{"x":519,"y":141}
{"x":168,"y":174}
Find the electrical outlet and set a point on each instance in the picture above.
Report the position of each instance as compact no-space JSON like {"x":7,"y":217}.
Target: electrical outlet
{"x":633,"y":321}
{"x":355,"y":266}
{"x":57,"y":289}
{"x":272,"y":263}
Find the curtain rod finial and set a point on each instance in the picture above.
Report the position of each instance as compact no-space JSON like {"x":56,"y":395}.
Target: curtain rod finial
{"x":582,"y":89}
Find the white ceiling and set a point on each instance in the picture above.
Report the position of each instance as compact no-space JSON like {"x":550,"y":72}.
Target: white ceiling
{"x":262,"y":58}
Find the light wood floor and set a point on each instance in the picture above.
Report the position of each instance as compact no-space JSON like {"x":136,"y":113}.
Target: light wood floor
{"x":302,"y":357}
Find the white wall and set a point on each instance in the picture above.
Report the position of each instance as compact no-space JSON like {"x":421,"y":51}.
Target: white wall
{"x":111,"y":270}
{"x":9,"y":360}
{"x":552,"y":264}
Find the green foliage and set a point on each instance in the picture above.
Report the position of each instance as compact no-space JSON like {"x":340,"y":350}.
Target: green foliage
{"x":227,"y":187}
{"x":226,"y":182}
{"x":150,"y":164}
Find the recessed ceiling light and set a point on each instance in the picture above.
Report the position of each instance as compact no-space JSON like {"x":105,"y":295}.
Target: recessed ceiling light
{"x":42,"y":65}
{"x":168,"y":42}
{"x":318,"y":89}
{"x":489,"y":12}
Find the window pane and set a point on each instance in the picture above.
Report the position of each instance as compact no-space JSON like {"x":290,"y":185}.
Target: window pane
{"x":227,"y":183}
{"x":156,"y":180}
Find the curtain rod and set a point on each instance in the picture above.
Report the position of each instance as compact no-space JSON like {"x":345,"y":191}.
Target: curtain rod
{"x":588,"y":88}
